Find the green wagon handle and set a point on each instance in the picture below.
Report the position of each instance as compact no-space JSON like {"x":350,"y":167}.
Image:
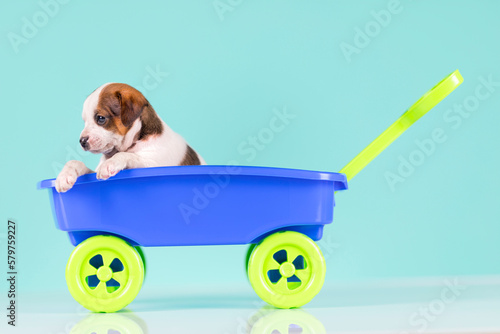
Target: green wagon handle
{"x":413,"y":114}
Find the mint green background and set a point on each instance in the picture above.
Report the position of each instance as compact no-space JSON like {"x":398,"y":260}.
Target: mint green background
{"x":225,"y":79}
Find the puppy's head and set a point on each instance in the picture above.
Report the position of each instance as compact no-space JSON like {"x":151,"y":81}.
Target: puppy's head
{"x":112,"y":118}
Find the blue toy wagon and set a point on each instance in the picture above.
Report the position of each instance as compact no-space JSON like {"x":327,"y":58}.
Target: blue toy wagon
{"x":279,"y":212}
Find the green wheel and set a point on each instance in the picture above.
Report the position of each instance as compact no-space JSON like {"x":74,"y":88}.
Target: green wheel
{"x":104,"y":273}
{"x":143,"y":257}
{"x":287,"y":269}
{"x":249,"y":253}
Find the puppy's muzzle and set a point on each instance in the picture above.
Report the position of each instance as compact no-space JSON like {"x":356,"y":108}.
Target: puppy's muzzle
{"x":84,"y":141}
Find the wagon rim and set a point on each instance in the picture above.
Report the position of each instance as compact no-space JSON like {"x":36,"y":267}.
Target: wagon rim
{"x":104,"y":273}
{"x":287,"y":269}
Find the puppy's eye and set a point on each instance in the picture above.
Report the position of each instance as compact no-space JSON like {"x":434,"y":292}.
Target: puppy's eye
{"x":100,"y":119}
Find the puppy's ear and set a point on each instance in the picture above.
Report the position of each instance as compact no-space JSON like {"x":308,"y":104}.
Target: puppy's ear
{"x":131,"y":103}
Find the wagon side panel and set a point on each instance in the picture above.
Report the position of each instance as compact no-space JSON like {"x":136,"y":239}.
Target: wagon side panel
{"x":196,"y":209}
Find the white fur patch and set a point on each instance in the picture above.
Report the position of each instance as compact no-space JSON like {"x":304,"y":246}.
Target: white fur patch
{"x":100,"y":140}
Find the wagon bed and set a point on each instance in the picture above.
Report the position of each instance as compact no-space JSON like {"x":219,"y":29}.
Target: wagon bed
{"x":197,"y":205}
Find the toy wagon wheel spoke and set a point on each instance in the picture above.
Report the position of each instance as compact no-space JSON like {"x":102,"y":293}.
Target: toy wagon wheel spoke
{"x":282,"y":285}
{"x":107,"y":257}
{"x":292,"y":253}
{"x":303,"y":274}
{"x":101,"y":290}
{"x":120,"y":277}
{"x":272,"y":265}
{"x":88,"y":270}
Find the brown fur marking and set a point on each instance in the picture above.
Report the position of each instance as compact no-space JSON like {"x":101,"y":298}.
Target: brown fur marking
{"x":122,"y":104}
{"x":190,"y":158}
{"x":151,"y":123}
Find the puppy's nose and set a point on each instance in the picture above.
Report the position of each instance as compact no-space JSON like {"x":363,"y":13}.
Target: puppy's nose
{"x":84,"y":142}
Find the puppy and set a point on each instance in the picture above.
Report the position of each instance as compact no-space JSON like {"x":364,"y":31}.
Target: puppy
{"x":121,"y":125}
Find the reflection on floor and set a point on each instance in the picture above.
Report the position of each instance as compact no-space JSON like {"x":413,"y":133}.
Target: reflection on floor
{"x":437,"y":305}
{"x":266,"y":320}
{"x":118,"y":323}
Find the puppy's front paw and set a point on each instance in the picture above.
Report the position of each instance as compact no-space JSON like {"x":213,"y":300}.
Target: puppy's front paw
{"x":65,"y":180}
{"x":109,"y":168}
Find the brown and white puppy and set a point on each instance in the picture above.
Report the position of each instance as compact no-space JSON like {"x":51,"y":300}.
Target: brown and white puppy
{"x":122,"y":126}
